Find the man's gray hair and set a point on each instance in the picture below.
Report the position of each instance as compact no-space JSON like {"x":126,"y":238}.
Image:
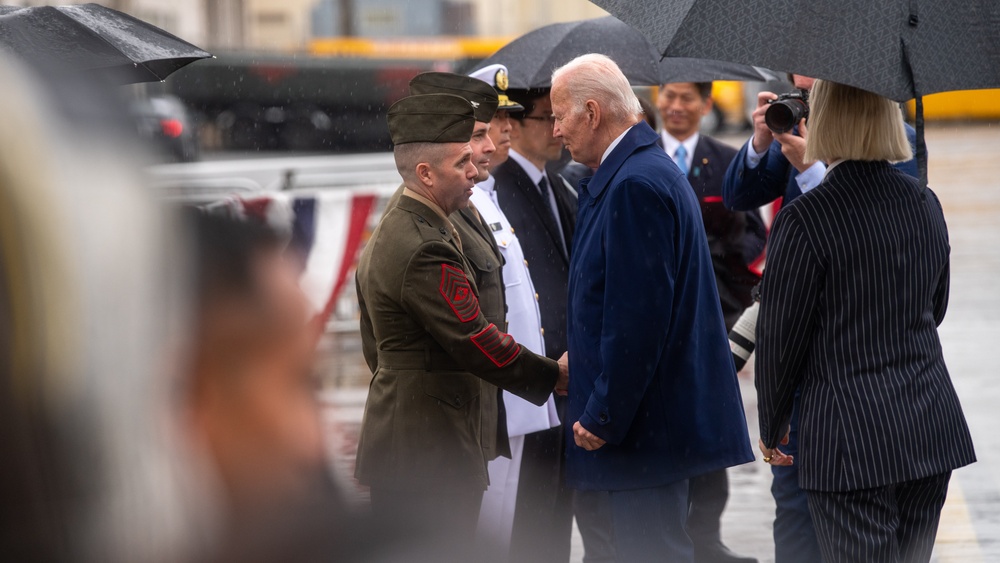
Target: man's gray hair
{"x":597,"y":77}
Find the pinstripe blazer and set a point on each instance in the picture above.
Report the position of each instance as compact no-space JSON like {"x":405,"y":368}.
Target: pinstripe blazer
{"x":855,"y":287}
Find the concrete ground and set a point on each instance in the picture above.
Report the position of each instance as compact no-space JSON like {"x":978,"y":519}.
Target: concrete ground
{"x":965,"y":173}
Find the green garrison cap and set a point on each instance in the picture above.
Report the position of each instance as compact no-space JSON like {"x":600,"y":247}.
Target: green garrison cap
{"x":431,"y":118}
{"x":482,"y":97}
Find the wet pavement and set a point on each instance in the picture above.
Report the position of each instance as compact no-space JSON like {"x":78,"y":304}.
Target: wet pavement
{"x":964,"y":171}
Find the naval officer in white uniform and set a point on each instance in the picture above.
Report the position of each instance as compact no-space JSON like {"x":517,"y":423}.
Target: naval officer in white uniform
{"x":524,"y":323}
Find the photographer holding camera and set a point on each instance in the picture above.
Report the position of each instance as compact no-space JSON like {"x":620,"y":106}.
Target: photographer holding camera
{"x":772,"y":165}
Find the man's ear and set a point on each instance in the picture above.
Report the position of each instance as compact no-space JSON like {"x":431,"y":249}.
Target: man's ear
{"x":708,"y":106}
{"x":425,"y":174}
{"x":593,"y":112}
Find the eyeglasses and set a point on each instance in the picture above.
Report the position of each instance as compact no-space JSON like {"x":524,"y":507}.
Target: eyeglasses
{"x":551,"y":119}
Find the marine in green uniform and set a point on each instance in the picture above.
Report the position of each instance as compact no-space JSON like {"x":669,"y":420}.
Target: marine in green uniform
{"x":426,"y":431}
{"x":477,"y":240}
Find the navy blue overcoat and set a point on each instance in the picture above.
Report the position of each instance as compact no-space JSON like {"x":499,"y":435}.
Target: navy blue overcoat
{"x":650,"y":367}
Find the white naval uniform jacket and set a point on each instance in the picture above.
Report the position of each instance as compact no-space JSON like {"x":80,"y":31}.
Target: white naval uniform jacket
{"x":524,"y":320}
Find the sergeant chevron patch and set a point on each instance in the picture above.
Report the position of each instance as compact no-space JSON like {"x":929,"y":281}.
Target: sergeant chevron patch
{"x":458,"y":293}
{"x":500,"y":348}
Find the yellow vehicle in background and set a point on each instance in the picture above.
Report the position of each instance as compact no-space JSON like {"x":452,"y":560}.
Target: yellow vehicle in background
{"x":959,"y":105}
{"x":459,"y":52}
{"x":434,"y":48}
{"x":729,"y":98}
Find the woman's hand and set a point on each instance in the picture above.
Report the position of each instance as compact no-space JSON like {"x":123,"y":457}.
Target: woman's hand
{"x":774,"y":456}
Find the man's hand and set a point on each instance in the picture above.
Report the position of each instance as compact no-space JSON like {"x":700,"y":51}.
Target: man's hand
{"x":585,"y":439}
{"x":762,"y":136}
{"x":794,"y":147}
{"x":775,"y":456}
{"x":562,"y":384}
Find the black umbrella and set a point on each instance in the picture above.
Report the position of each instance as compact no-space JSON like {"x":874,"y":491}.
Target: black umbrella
{"x":532,"y":57}
{"x":93,"y":39}
{"x":901,"y":49}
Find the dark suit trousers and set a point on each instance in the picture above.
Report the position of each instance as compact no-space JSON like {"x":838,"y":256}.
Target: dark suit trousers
{"x":635,"y":526}
{"x":794,"y":534}
{"x":709,"y":494}
{"x":892,"y":524}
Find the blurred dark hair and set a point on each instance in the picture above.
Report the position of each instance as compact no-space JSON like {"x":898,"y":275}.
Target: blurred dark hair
{"x":528,"y":99}
{"x":704,"y":88}
{"x":223,"y":251}
{"x":648,"y":112}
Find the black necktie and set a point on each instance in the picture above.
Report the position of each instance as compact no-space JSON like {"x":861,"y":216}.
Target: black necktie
{"x":543,"y":186}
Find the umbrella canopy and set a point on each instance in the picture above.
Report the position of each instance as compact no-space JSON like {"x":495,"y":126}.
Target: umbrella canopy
{"x":532,"y":57}
{"x":897,"y":48}
{"x":93,"y":39}
{"x":900,"y":49}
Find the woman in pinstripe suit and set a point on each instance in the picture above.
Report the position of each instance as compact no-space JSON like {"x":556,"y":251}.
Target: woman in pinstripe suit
{"x":855,"y":287}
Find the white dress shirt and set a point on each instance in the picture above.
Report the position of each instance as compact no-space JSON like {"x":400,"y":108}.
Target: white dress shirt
{"x":614,"y":144}
{"x":536,"y":176}
{"x":806,"y":180}
{"x":670,"y":145}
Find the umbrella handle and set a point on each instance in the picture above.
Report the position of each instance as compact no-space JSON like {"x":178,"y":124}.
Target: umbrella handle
{"x":921,"y":143}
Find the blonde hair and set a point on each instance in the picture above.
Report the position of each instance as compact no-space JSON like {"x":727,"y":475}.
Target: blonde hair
{"x":597,"y":77}
{"x":853,"y":124}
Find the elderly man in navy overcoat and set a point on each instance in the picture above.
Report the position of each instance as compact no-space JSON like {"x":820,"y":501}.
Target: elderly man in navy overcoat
{"x":653,"y":397}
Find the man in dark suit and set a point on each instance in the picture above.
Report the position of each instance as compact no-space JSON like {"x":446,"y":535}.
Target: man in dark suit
{"x":541,"y":209}
{"x":654,"y":399}
{"x":735,"y":241}
{"x":772,"y":166}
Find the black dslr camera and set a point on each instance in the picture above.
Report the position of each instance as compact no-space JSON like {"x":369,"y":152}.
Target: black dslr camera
{"x":786,"y":111}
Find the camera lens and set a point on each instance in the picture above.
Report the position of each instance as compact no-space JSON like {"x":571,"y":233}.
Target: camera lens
{"x":783,"y":115}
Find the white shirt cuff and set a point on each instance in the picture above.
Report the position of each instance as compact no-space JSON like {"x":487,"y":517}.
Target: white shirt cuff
{"x":812,"y":177}
{"x":753,"y":157}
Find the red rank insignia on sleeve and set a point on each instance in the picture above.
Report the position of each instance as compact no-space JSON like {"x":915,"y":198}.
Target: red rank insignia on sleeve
{"x":458,"y":293}
{"x":499,"y":347}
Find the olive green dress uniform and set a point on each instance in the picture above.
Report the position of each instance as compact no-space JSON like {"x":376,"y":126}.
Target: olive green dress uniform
{"x":479,"y":248}
{"x":427,"y":427}
{"x":487,"y":263}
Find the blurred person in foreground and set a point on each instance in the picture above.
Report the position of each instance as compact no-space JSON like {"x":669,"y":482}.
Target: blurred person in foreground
{"x":772,"y":167}
{"x":654,"y":399}
{"x":252,"y":406}
{"x":425,"y":437}
{"x":251,"y":413}
{"x":89,"y":303}
{"x":856,"y":284}
{"x":735,"y":242}
{"x":541,"y":209}
{"x":507,"y":506}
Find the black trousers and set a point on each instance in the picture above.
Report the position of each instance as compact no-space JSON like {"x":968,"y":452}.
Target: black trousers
{"x":892,"y":524}
{"x":708,"y":496}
